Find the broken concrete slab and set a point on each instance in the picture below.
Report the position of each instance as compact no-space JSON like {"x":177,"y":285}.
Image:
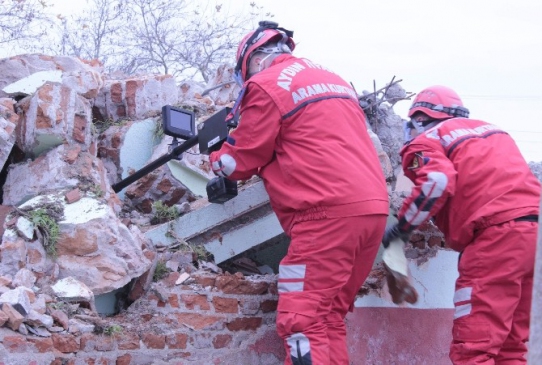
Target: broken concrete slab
{"x":211,"y":215}
{"x":31,"y":83}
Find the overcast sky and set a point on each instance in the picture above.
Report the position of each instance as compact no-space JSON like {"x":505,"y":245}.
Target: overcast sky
{"x":489,"y":51}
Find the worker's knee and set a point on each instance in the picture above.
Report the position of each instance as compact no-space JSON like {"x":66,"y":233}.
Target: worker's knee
{"x":472,"y":340}
{"x":295,"y":314}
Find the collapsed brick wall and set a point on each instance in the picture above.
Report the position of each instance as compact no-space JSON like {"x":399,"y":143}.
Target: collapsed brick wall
{"x":208,"y":319}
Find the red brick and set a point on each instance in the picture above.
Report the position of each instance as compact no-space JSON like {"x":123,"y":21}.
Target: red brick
{"x":226,"y":305}
{"x":191,"y":301}
{"x":116,"y":92}
{"x":221,"y":341}
{"x":170,"y":279}
{"x":205,"y":281}
{"x":173,"y":301}
{"x":43,"y":345}
{"x":244,"y":324}
{"x":15,"y":344}
{"x":131,"y":89}
{"x":71,"y":154}
{"x":231,"y":284}
{"x":65,"y":343}
{"x":125,"y":359}
{"x":153,"y":341}
{"x":177,"y":340}
{"x":128,"y":341}
{"x":79,"y":126}
{"x":164,"y":185}
{"x":91,"y":342}
{"x":273,"y":289}
{"x":268,"y":306}
{"x":435,"y":241}
{"x":33,"y":256}
{"x":199,"y":321}
{"x":73,"y":195}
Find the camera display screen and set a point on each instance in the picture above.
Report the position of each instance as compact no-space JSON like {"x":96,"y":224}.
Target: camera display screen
{"x":178,"y":122}
{"x":181,"y":120}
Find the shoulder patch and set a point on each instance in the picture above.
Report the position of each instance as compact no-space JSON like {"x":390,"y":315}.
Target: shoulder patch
{"x":418,"y":161}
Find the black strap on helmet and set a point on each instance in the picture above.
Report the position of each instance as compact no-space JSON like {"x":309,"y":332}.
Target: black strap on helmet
{"x":456,"y":111}
{"x":262,"y":26}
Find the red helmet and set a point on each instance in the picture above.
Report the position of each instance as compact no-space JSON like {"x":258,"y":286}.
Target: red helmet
{"x":439,"y":102}
{"x":255,"y":40}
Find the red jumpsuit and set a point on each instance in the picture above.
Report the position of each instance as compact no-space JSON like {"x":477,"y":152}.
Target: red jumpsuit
{"x":302,"y":131}
{"x":470,"y":176}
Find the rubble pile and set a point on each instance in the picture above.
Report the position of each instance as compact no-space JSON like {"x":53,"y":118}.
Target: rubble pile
{"x":68,"y":134}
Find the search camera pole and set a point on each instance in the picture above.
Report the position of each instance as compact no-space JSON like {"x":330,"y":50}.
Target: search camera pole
{"x":175,"y":153}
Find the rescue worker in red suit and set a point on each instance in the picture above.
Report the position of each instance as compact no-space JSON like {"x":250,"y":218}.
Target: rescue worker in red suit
{"x":303,"y":132}
{"x":470,"y":176}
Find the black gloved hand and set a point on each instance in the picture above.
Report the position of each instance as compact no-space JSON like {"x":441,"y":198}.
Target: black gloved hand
{"x":392,"y":232}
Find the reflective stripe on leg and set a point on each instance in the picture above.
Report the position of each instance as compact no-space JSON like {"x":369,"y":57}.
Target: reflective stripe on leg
{"x":300,"y":350}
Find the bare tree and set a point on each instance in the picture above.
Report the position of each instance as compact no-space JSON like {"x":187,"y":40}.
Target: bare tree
{"x":183,"y":38}
{"x":22,"y":22}
{"x":211,"y":38}
{"x":151,"y":35}
{"x":178,"y":37}
{"x":92,"y":33}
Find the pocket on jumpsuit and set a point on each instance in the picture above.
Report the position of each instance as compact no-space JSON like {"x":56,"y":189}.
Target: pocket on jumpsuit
{"x":470,"y":337}
{"x":296,"y":312}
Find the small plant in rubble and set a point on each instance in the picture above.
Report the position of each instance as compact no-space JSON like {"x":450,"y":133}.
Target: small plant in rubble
{"x":201,"y":253}
{"x":48,"y":228}
{"x":100,"y":126}
{"x":160,"y":271}
{"x":45,"y":219}
{"x":97,"y":191}
{"x":113,"y":330}
{"x":158,"y":132}
{"x":163,"y":213}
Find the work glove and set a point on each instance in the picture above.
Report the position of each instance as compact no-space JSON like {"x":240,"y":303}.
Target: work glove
{"x":400,"y":287}
{"x":399,"y":282}
{"x":392,"y":232}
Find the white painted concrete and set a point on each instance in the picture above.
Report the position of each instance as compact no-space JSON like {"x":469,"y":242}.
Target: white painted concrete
{"x":137,"y":147}
{"x":30,"y":84}
{"x":434,"y":280}
{"x":84,"y":210}
{"x":212,"y":215}
{"x":244,"y":238}
{"x":71,"y":288}
{"x":195,"y":182}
